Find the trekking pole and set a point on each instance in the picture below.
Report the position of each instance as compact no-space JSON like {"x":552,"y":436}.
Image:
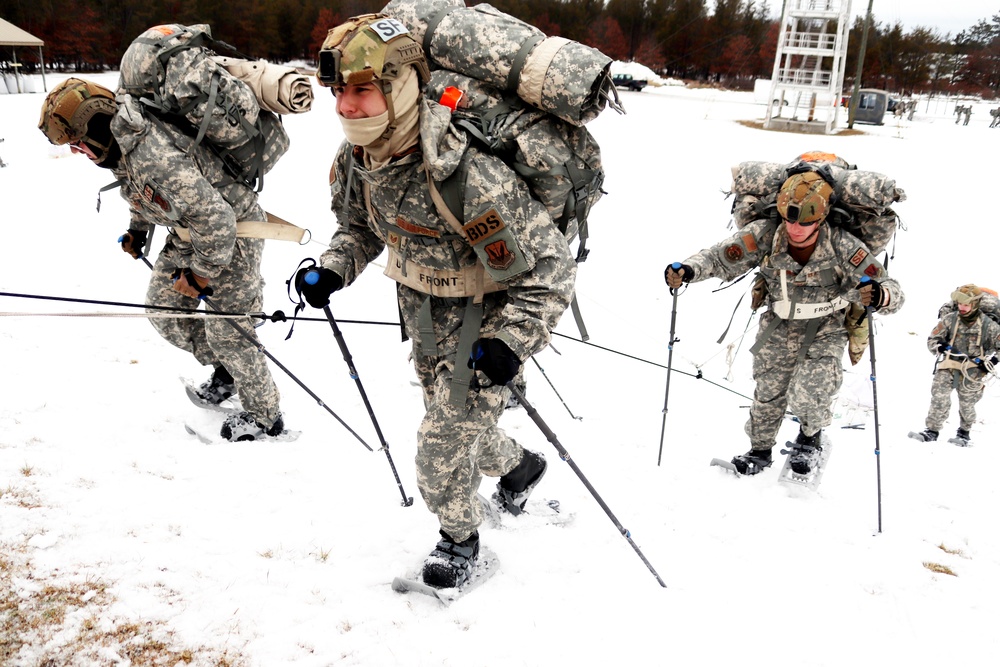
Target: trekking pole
{"x":670,"y":362}
{"x":564,"y":455}
{"x":545,"y":375}
{"x":260,"y":348}
{"x":878,"y":458}
{"x":407,"y":501}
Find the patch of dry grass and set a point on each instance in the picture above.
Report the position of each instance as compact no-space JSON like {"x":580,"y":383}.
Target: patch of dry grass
{"x":940,"y":569}
{"x":45,"y":620}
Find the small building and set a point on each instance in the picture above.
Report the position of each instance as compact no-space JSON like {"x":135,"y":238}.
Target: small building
{"x":872,"y":105}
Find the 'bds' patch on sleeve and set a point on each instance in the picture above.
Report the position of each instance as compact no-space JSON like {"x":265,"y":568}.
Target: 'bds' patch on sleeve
{"x":496,"y":246}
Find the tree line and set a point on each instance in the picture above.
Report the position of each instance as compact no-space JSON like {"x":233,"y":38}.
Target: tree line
{"x":731,"y":45}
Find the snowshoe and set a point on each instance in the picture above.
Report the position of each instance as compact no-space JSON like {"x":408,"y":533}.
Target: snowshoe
{"x":927,"y":435}
{"x":242,"y":426}
{"x":961,"y":438}
{"x":752,"y":462}
{"x":514,"y":488}
{"x":805,"y":462}
{"x":451,"y":562}
{"x":805,"y":453}
{"x":214,"y":392}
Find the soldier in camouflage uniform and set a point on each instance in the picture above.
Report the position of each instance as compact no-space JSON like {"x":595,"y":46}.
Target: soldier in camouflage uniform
{"x":190,"y":194}
{"x":478,"y":296}
{"x":812,"y":272}
{"x":965,"y":341}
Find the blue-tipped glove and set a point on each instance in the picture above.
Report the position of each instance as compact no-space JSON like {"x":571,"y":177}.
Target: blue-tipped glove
{"x":133,"y":241}
{"x":317,"y":284}
{"x":676,"y":274}
{"x":495,"y":360}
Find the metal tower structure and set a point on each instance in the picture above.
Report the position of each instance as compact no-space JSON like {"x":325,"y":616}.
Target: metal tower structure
{"x":809,"y":63}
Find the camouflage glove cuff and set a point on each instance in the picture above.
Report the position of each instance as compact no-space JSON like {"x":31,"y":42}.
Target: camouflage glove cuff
{"x":133,"y":241}
{"x":495,"y":360}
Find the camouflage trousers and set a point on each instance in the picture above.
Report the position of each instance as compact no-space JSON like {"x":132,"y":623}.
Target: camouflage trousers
{"x":456,"y":446}
{"x":969,"y":392}
{"x":212,"y":340}
{"x":807,"y":388}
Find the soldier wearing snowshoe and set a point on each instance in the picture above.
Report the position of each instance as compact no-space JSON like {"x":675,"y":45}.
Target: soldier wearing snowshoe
{"x":811,"y":273}
{"x":965,"y":342}
{"x":190,"y":193}
{"x":477,"y":296}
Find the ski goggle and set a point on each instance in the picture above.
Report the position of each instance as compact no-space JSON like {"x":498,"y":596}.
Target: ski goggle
{"x":960,"y":297}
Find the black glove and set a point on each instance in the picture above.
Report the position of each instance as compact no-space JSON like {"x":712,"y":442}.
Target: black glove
{"x":876,"y":292}
{"x":133,"y":241}
{"x":982,"y":363}
{"x":324,"y":283}
{"x":943,"y":347}
{"x":683,"y":271}
{"x":494,"y":359}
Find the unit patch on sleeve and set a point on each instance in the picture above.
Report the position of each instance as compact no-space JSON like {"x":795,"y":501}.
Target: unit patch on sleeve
{"x":734,"y":253}
{"x":157,"y":199}
{"x":483,"y":227}
{"x":872,"y":271}
{"x":499,"y":255}
{"x":749,"y":242}
{"x":859,"y":256}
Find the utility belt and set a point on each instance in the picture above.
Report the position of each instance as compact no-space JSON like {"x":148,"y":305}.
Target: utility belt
{"x":787,"y":309}
{"x":273,"y":228}
{"x":469,"y":281}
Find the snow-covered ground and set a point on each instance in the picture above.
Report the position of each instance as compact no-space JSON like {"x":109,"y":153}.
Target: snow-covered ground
{"x":118,"y":530}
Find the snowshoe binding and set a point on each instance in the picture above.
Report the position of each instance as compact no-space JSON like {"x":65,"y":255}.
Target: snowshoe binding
{"x":806,"y":460}
{"x":214,"y":392}
{"x":961,"y":438}
{"x":451,"y":563}
{"x":927,"y":435}
{"x":805,"y":453}
{"x":514,"y":488}
{"x":753,"y":462}
{"x":242,"y":426}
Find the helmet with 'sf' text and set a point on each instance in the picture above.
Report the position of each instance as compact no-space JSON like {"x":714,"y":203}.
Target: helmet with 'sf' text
{"x":369,"y":48}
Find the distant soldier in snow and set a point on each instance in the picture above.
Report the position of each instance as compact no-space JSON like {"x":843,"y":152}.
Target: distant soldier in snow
{"x":477,"y":296}
{"x":187,"y":192}
{"x":966,"y":342}
{"x":813,"y":271}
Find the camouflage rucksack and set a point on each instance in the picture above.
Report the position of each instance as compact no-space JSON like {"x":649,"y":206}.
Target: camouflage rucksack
{"x":862,"y":201}
{"x":524,"y":97}
{"x":172,"y":70}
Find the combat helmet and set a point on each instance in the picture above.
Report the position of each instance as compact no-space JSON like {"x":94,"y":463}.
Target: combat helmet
{"x":78,"y":110}
{"x":805,"y":198}
{"x":369,"y":48}
{"x":967,"y":295}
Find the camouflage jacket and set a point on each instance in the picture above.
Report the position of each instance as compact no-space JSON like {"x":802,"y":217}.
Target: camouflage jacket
{"x":834,"y":270}
{"x":511,"y":233}
{"x":165,"y":185}
{"x":980,"y":339}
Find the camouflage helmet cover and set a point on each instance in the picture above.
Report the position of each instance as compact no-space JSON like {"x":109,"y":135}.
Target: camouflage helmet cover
{"x":69,"y":108}
{"x":371,"y":47}
{"x":967,"y":295}
{"x":804,"y":197}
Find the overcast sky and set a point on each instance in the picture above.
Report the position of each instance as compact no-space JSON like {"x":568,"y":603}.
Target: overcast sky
{"x":945,"y":17}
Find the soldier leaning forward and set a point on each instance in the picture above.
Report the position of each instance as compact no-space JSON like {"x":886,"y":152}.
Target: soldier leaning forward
{"x":812,"y":272}
{"x":489,"y":288}
{"x":191,"y":194}
{"x":966,"y":342}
